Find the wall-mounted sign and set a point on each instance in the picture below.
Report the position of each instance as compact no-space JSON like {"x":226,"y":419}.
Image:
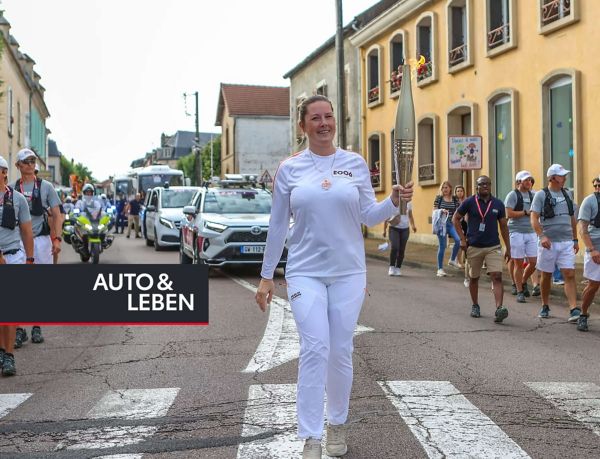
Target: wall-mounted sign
{"x":464,"y":152}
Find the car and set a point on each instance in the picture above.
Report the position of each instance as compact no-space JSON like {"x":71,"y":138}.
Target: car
{"x":227,"y":224}
{"x":163,"y":214}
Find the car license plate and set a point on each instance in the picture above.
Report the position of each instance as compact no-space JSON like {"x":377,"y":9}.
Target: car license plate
{"x":253,"y":249}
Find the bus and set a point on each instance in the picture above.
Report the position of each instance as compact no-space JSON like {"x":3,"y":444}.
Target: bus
{"x":141,"y":179}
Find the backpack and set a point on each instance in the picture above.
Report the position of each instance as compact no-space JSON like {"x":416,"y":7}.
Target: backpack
{"x":548,"y":210}
{"x":9,"y":219}
{"x":519,"y":204}
{"x":37,"y":207}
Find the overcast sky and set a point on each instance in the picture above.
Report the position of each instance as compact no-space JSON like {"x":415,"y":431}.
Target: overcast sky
{"x":115,"y":70}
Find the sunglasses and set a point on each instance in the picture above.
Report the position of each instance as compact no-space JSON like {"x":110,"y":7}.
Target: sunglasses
{"x":29,"y":161}
{"x":596,"y":185}
{"x":484,"y":183}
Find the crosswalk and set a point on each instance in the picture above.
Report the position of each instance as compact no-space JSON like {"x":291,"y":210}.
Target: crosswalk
{"x":443,"y":420}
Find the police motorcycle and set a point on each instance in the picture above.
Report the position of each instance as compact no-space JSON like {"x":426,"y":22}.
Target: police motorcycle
{"x":89,"y":236}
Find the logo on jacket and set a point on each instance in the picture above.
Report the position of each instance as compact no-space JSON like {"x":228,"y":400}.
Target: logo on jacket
{"x":295,"y":295}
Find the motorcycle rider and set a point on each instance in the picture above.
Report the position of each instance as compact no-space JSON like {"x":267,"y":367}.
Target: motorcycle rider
{"x":43,"y":200}
{"x":88,"y":203}
{"x":68,"y":205}
{"x":15,"y":229}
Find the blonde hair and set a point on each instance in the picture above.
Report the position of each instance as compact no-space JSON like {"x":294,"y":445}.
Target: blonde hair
{"x":444,"y":183}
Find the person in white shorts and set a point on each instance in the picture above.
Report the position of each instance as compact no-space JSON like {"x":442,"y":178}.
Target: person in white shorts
{"x":15,"y":226}
{"x":589,"y":229}
{"x":329,"y":192}
{"x":553,"y":220}
{"x":523,"y":240}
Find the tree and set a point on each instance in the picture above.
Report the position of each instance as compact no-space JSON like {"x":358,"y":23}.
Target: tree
{"x":188,"y":163}
{"x":68,"y":168}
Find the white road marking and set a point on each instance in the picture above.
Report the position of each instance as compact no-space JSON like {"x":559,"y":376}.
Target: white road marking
{"x":122,"y":404}
{"x":272,"y":407}
{"x":580,"y":400}
{"x":280,"y":343}
{"x":9,"y":402}
{"x":446,"y":423}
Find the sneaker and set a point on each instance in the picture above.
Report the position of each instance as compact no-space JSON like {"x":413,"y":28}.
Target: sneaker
{"x":501,"y":314}
{"x":441,"y":273}
{"x":513,"y":289}
{"x":397,"y":272}
{"x":312,"y":449}
{"x":544,"y":312}
{"x":21,"y":337}
{"x":574,"y":315}
{"x":455,"y":264}
{"x":536,"y":291}
{"x":336,"y":440}
{"x":521,"y":297}
{"x":391,"y":271}
{"x":526,"y":291}
{"x":466,"y":283}
{"x":558,"y":282}
{"x":475,"y":311}
{"x":8,"y":365}
{"x":36,"y":335}
{"x":582,"y":323}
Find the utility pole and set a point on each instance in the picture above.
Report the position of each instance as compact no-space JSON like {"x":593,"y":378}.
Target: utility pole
{"x":212,"y":171}
{"x":339,"y":50}
{"x":197,"y":145}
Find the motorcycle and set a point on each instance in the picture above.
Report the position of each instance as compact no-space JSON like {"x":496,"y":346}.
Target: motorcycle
{"x":89,"y":236}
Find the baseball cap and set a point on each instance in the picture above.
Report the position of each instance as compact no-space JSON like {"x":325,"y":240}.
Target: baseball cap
{"x":3,"y":163}
{"x":24,"y":154}
{"x":522,"y":175}
{"x":556,"y":169}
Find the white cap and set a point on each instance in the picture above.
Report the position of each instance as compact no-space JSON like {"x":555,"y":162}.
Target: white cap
{"x":3,"y":163}
{"x":556,"y":169}
{"x":24,"y":154}
{"x":523,"y":175}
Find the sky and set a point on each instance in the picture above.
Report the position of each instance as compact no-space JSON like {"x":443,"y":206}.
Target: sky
{"x":115,"y":71}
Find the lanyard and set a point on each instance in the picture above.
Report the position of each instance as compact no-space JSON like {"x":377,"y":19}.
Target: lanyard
{"x":479,"y":208}
{"x":32,"y":192}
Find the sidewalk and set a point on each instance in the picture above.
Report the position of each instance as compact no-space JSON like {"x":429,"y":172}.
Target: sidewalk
{"x":424,"y":256}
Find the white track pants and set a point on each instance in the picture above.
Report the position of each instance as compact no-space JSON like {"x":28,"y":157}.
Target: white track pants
{"x":326,"y":312}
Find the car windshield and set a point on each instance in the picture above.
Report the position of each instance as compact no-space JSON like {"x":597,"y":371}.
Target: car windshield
{"x":176,"y":198}
{"x":237,"y":201}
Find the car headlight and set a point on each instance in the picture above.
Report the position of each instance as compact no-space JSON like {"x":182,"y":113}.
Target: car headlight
{"x":165,"y":222}
{"x":218,"y":227}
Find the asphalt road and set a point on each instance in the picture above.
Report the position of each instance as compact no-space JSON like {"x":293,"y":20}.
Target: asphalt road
{"x":429,"y":380}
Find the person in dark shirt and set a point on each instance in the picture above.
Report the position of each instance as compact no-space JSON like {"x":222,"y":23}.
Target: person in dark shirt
{"x":482,"y":243}
{"x":133,"y":211}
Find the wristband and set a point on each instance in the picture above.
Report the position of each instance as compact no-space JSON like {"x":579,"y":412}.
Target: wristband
{"x":29,"y":260}
{"x":575,"y":240}
{"x":57,"y":238}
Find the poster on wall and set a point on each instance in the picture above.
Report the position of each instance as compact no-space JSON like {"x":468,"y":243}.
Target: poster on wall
{"x":464,"y":152}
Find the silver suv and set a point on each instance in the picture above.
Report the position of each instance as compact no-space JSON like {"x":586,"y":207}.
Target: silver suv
{"x":226,"y":224}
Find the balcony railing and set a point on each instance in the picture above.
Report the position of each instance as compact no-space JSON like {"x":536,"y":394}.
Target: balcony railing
{"x":424,"y":71}
{"x":395,"y":81}
{"x":374,"y":94}
{"x":375,"y":177}
{"x":426,"y":172}
{"x":457,"y":55}
{"x":555,"y":10}
{"x":499,"y":36}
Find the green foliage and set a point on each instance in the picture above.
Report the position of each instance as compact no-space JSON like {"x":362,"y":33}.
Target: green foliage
{"x":188,"y":163}
{"x":69,"y":167}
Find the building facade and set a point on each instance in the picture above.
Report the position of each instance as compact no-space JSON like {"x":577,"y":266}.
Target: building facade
{"x":519,"y":74}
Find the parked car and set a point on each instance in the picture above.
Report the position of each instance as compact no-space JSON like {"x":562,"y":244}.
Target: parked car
{"x":227,"y":224}
{"x":163,"y":214}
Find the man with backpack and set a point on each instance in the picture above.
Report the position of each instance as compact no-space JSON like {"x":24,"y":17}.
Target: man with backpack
{"x":589,"y":229}
{"x":553,"y":220}
{"x":523,"y":241}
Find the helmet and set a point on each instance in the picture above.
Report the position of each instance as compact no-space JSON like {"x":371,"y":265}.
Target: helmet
{"x":69,"y":199}
{"x":87,"y":187}
{"x":103,"y":196}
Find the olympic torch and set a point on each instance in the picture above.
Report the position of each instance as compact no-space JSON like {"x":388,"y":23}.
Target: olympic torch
{"x":404,"y":134}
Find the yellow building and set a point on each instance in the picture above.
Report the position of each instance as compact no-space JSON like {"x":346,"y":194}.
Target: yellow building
{"x":523,"y":75}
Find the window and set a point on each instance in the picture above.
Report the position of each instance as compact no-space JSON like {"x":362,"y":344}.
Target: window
{"x":397,"y":57}
{"x":555,"y":14}
{"x":561,"y":125}
{"x":374,"y":160}
{"x":426,"y":70}
{"x":459,"y":48}
{"x":19,"y":123}
{"x":321,"y":88}
{"x":52,"y":170}
{"x":373,"y":77}
{"x":501,"y":35}
{"x":10,"y":120}
{"x":426,"y":150}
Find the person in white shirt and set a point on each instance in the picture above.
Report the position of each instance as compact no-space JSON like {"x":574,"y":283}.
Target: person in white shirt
{"x":329,"y":193}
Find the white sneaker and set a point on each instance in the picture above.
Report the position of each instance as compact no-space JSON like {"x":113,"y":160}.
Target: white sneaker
{"x":392,"y":271}
{"x":441,"y":273}
{"x":397,"y":272}
{"x":312,"y":449}
{"x":336,"y":440}
{"x":466,"y":282}
{"x":455,"y":264}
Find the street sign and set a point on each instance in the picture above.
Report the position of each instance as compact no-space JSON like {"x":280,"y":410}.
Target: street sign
{"x":266,"y":177}
{"x":464,"y":152}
